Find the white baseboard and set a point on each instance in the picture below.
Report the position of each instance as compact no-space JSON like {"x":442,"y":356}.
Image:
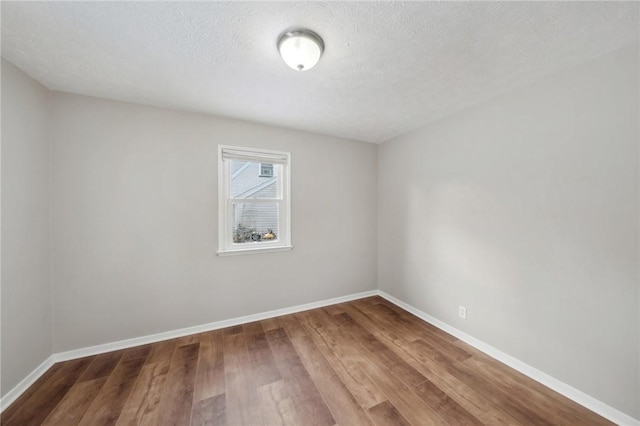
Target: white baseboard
{"x":573,"y":394}
{"x":152,"y":338}
{"x":21,"y":387}
{"x":581,"y":398}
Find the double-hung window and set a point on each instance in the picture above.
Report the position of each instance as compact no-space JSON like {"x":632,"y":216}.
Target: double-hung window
{"x":254,"y":204}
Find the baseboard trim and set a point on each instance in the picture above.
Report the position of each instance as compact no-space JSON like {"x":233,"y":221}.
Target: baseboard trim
{"x":579,"y":397}
{"x":153,"y":338}
{"x":21,"y":387}
{"x":562,"y":388}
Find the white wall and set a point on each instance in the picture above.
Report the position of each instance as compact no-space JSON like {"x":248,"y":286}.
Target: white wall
{"x":135,"y":222}
{"x":525,"y":210}
{"x":26,"y":286}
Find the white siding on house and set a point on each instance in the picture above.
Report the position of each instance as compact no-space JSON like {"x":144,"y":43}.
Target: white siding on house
{"x":259,"y":218}
{"x":246,"y":183}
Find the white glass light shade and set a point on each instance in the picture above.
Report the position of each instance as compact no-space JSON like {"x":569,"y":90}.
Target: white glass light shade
{"x":300,"y":49}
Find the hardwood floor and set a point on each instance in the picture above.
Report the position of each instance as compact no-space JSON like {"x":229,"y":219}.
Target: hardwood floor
{"x":357,"y":363}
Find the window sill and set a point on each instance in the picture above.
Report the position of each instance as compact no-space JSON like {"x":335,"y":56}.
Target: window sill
{"x":254,"y":250}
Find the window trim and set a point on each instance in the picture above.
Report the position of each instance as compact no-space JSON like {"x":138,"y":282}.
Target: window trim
{"x":226,"y":247}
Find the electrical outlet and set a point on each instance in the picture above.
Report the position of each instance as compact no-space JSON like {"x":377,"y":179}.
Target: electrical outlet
{"x":462,"y":312}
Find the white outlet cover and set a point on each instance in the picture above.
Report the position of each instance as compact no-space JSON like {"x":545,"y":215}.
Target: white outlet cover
{"x":462,"y":312}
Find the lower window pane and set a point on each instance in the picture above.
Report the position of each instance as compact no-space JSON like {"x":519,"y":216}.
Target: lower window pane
{"x":255,"y":222}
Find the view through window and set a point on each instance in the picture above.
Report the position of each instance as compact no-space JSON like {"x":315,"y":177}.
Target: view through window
{"x":254,"y":203}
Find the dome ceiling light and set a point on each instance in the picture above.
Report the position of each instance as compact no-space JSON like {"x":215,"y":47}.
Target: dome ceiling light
{"x":300,"y":48}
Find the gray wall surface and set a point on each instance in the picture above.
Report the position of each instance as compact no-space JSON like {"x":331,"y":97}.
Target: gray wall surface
{"x":26,"y":286}
{"x":525,"y":210}
{"x":135,"y":222}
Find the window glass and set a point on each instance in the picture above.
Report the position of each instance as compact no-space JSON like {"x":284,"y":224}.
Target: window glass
{"x":255,"y":222}
{"x":266,"y":170}
{"x":247,"y":181}
{"x":254,"y":204}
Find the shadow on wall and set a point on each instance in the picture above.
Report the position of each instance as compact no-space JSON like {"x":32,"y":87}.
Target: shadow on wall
{"x":503,"y":258}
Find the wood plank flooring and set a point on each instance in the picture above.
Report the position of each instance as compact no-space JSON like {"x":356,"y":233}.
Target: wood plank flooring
{"x":365,"y":362}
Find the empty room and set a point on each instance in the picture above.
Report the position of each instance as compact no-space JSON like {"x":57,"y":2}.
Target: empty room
{"x":320,"y":213}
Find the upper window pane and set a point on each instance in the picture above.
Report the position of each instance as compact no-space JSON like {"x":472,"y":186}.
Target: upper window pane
{"x":252,"y":180}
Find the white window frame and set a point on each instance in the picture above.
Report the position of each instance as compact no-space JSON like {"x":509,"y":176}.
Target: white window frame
{"x":226,"y":246}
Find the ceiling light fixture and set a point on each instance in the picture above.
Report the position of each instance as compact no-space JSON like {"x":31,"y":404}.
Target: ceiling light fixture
{"x":300,"y":48}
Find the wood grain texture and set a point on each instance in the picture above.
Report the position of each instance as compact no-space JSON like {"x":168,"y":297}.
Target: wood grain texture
{"x":209,"y":412}
{"x":108,"y":403}
{"x":101,"y":365}
{"x":177,"y":396}
{"x":36,"y":387}
{"x":341,"y":403}
{"x":242,"y":405}
{"x":142,"y":404}
{"x":48,"y":395}
{"x":75,"y":403}
{"x":264,"y":365}
{"x":385,"y":414}
{"x":297,"y":383}
{"x":347,"y":364}
{"x":210,"y":373}
{"x":364,"y":362}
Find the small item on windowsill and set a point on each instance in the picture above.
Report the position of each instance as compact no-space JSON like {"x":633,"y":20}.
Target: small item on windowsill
{"x":270,"y":235}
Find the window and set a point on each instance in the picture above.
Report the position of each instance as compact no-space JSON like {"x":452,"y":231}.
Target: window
{"x":266,"y":170}
{"x":254,"y":206}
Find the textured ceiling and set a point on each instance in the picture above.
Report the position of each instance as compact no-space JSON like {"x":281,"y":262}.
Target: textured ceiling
{"x":388,"y":67}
